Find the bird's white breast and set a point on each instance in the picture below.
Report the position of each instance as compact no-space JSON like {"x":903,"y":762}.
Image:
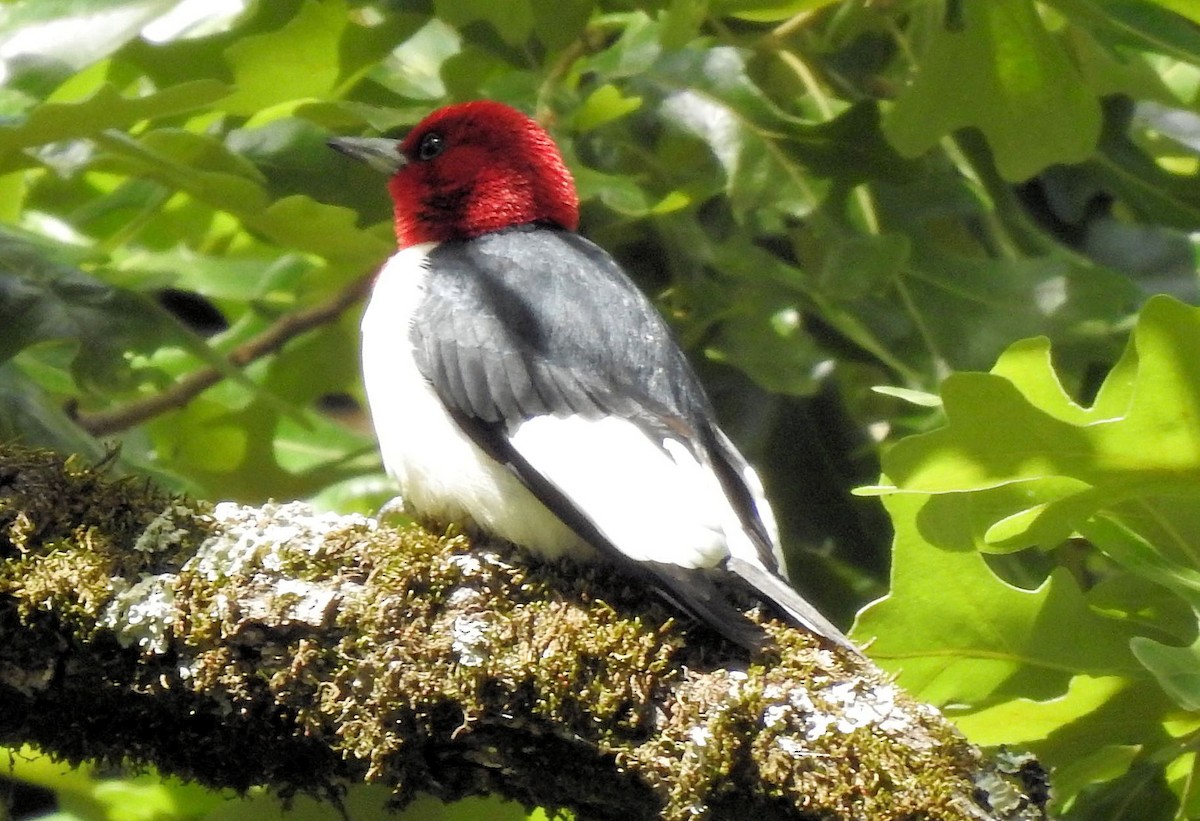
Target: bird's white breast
{"x":441,"y":473}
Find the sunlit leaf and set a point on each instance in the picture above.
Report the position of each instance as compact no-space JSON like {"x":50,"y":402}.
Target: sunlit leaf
{"x":954,"y":632}
{"x":413,"y":69}
{"x":106,"y":109}
{"x":1022,"y":720}
{"x":603,"y":105}
{"x":1157,"y":26}
{"x":73,"y":34}
{"x":999,"y":73}
{"x":296,"y":62}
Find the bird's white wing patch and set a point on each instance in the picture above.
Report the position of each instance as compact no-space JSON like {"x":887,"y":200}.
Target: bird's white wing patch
{"x":654,"y":502}
{"x":745,"y":549}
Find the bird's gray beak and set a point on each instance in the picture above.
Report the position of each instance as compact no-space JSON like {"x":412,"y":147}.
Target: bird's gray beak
{"x":379,"y":153}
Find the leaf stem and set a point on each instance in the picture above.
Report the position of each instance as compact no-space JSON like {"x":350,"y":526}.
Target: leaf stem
{"x":862,"y":196}
{"x":941,"y":369}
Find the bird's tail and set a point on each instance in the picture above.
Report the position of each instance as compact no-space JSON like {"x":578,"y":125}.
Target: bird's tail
{"x":696,"y":593}
{"x":777,"y":591}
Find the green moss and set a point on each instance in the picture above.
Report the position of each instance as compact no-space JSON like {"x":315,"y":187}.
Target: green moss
{"x":199,"y":618}
{"x":45,"y":500}
{"x":423,"y":661}
{"x":70,"y":585}
{"x":66,"y":529}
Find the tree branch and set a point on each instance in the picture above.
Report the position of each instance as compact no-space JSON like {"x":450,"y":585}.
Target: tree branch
{"x":187,"y":388}
{"x":240,"y":646}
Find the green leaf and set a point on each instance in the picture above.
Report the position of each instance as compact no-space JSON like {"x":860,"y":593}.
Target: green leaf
{"x":964,"y":310}
{"x":1022,"y":720}
{"x":512,"y":20}
{"x":195,"y":163}
{"x":298,"y":62}
{"x":1027,"y":363}
{"x":1139,"y":556}
{"x":1177,"y":669}
{"x":1006,"y":75}
{"x":1147,"y":605}
{"x":84,"y":795}
{"x":770,"y":158}
{"x":1109,"y":743}
{"x":680,"y":22}
{"x":851,"y":148}
{"x":367,"y":801}
{"x":919,"y":398}
{"x":1156,"y":26}
{"x":634,"y":53}
{"x":210,"y":172}
{"x":303,"y":446}
{"x":42,"y":300}
{"x":709,"y":95}
{"x":1184,"y":8}
{"x":764,"y":337}
{"x":29,"y":416}
{"x":1141,"y":793}
{"x":997,"y":433}
{"x":954,"y":633}
{"x":860,"y":266}
{"x":604,"y":105}
{"x":559,"y":23}
{"x":1060,"y":463}
{"x":105,"y":109}
{"x":616,"y":191}
{"x":767,"y":11}
{"x":1095,"y":765}
{"x":1134,"y":175}
{"x":1022,"y":461}
{"x":239,"y":280}
{"x":204,"y":439}
{"x":327,"y":230}
{"x":1183,"y":774}
{"x":414,"y":68}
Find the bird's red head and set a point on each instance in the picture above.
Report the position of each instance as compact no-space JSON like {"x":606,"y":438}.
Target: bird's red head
{"x":477,"y":167}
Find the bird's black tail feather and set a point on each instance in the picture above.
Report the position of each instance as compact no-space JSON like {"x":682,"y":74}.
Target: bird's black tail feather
{"x":777,"y":591}
{"x":695,"y":593}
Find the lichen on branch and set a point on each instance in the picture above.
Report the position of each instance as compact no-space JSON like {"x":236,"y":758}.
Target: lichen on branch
{"x":281,"y":646}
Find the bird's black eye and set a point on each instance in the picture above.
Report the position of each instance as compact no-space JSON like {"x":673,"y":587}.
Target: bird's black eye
{"x":430,"y":146}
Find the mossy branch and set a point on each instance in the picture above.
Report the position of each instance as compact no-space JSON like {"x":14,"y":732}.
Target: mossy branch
{"x":240,"y":646}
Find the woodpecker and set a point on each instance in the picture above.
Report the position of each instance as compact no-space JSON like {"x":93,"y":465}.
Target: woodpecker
{"x":521,"y":384}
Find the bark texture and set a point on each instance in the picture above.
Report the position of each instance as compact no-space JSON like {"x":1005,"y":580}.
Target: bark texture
{"x":275,"y":645}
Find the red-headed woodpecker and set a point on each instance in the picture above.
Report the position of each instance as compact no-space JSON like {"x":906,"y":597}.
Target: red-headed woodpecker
{"x":522,"y":385}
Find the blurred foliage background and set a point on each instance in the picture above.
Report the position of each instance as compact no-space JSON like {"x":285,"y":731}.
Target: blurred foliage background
{"x":849,"y":211}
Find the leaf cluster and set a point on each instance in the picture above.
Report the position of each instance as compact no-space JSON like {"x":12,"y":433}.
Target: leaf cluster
{"x":823,"y":196}
{"x":1062,"y":540}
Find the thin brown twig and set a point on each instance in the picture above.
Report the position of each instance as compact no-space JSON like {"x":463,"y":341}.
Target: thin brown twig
{"x":287,"y":327}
